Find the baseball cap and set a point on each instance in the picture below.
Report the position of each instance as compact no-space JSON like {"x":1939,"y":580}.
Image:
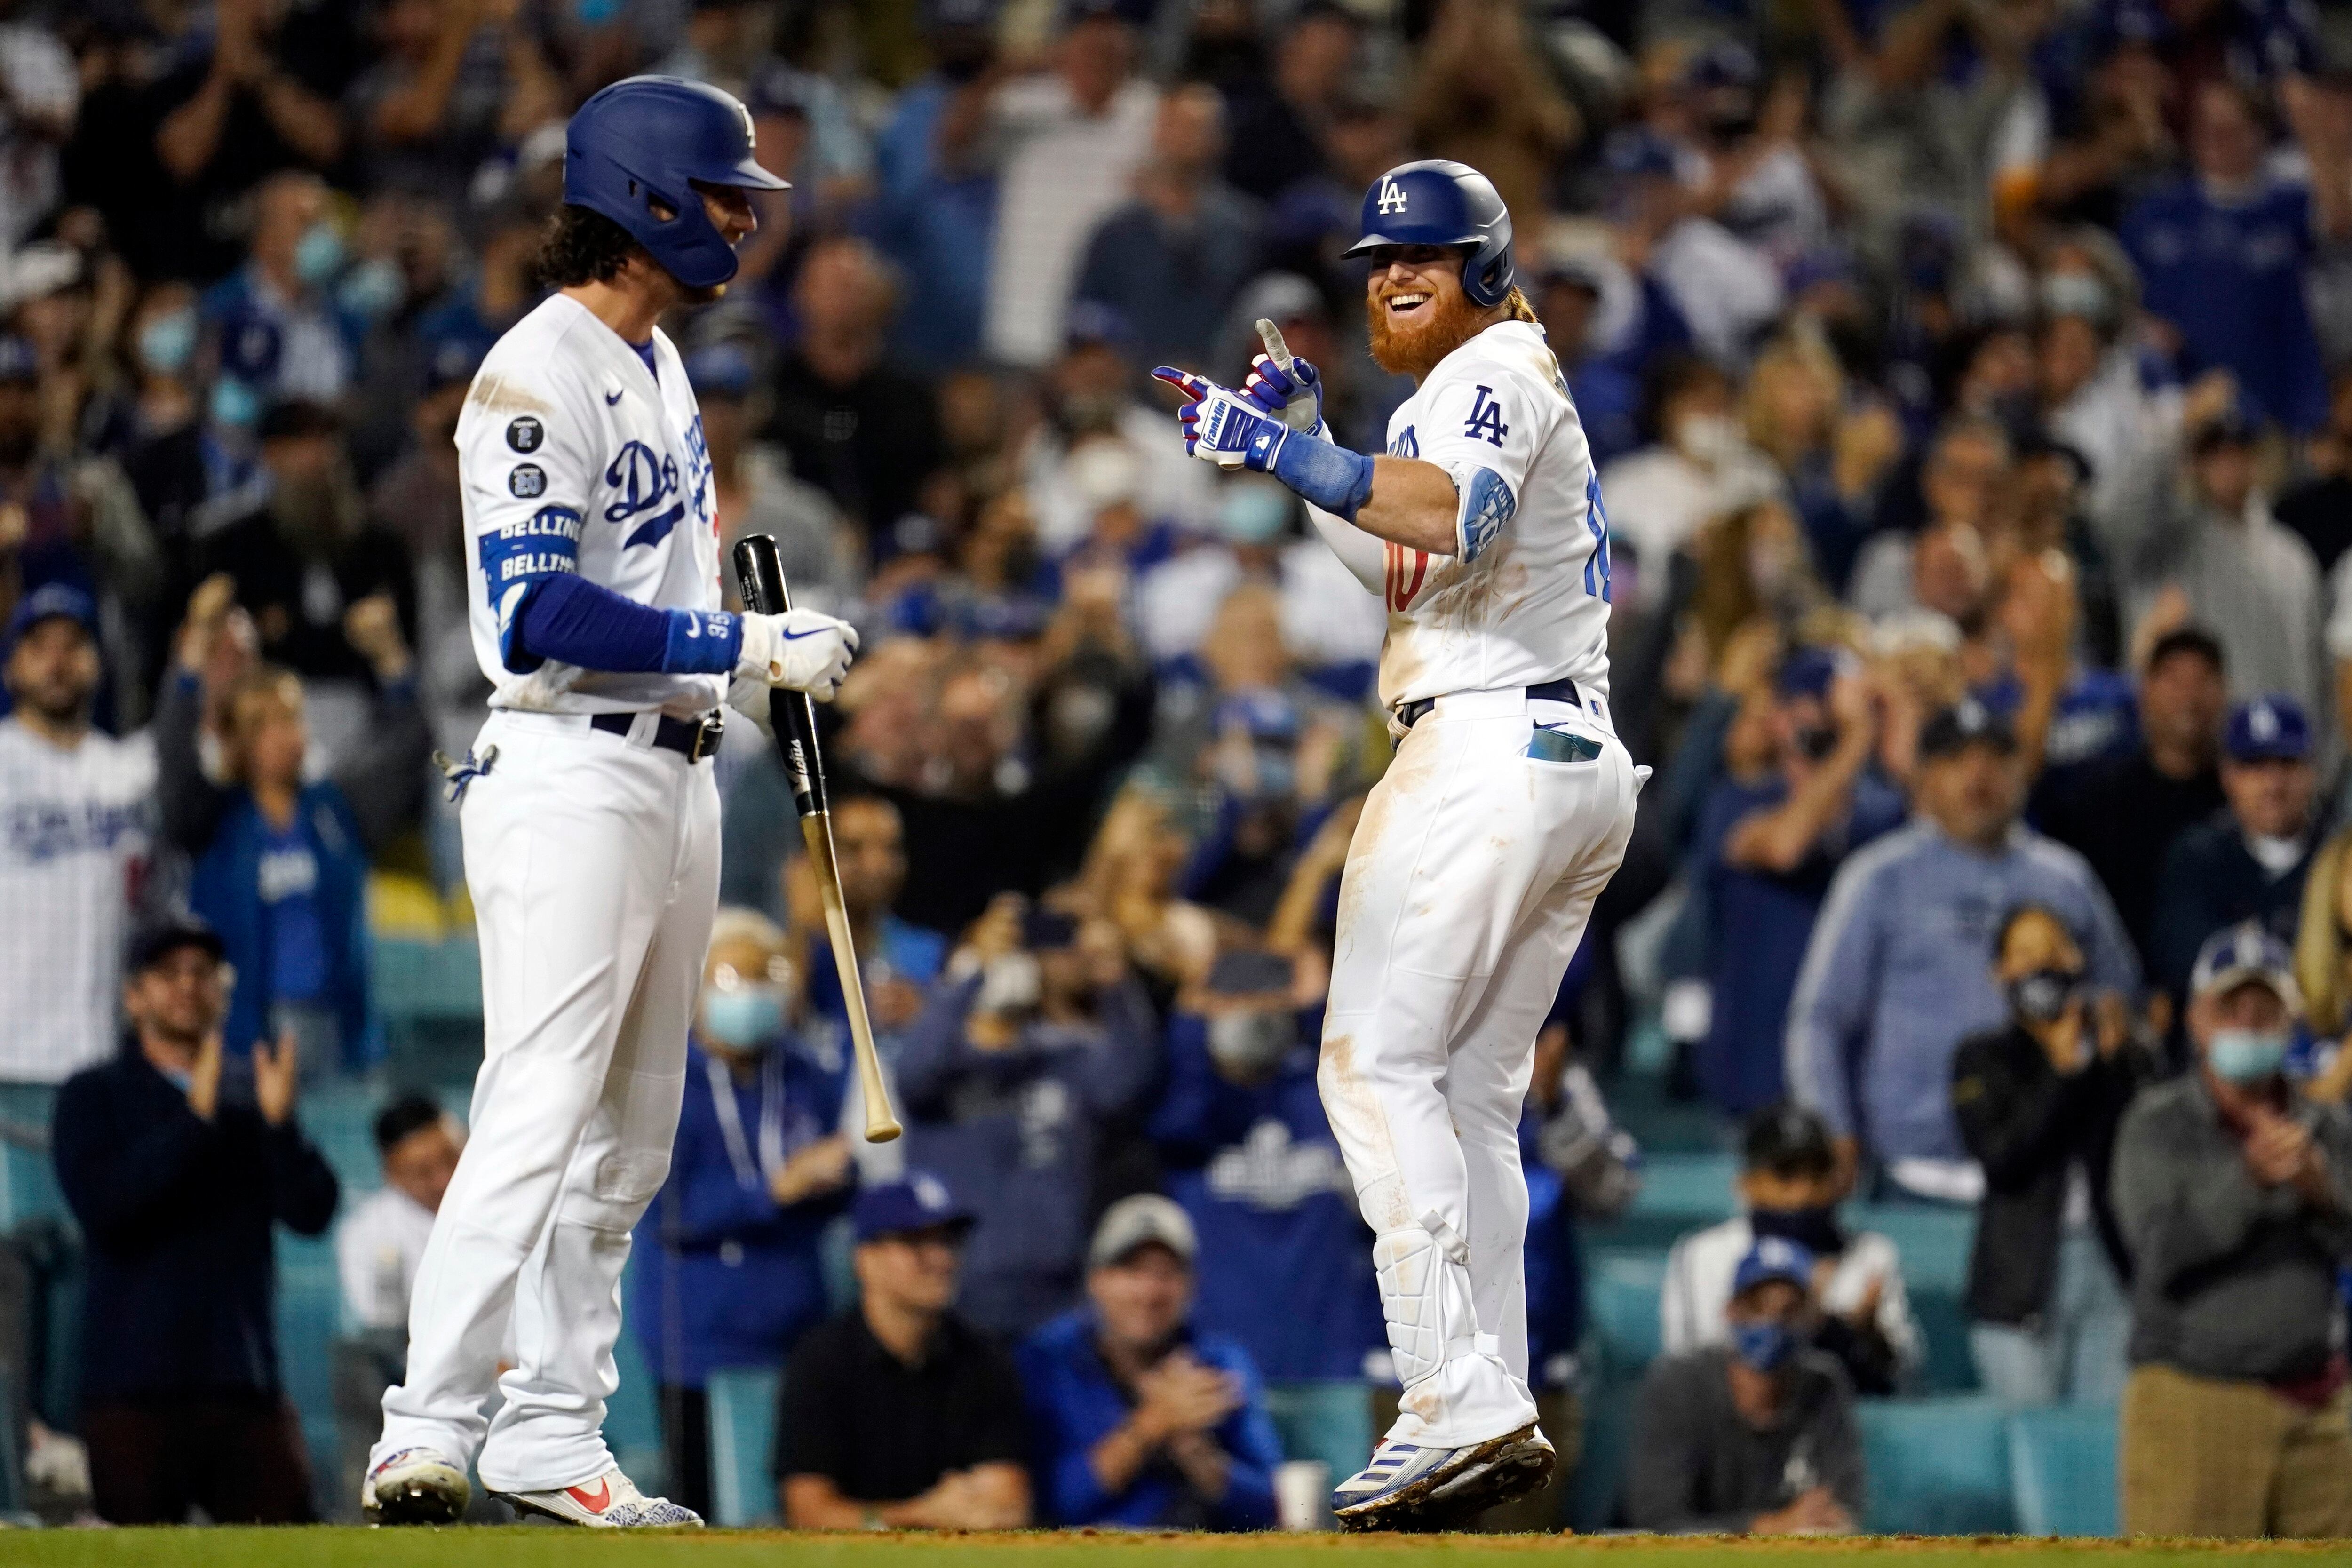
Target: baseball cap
{"x":1965,"y":723}
{"x":1092,"y":322}
{"x":2231,"y":428}
{"x":1806,"y":672}
{"x":1787,"y":1136}
{"x":51,"y":602}
{"x":2241,"y":953}
{"x":17,"y":365}
{"x":917,"y":1201}
{"x":723,"y":368}
{"x":158,"y":941}
{"x":1143,"y":1220}
{"x":2270,"y":728}
{"x":1773,"y":1257}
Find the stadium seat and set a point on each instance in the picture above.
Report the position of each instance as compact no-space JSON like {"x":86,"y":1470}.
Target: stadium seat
{"x":1621,"y":1289}
{"x":310,"y":1316}
{"x":742,"y":1406}
{"x":633,"y":1416}
{"x":2062,"y":1466}
{"x":1936,"y":1466}
{"x":1693,"y":1186}
{"x":1330,"y":1421}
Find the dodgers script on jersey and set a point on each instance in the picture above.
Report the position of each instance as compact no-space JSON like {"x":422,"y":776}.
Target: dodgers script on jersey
{"x":1527,"y":599}
{"x":573,"y":457}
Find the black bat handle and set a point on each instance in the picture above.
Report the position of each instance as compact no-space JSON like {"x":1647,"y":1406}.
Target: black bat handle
{"x":759,"y":574}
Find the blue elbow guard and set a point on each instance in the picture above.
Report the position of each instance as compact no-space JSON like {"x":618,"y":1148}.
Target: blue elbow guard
{"x":1333,"y":478}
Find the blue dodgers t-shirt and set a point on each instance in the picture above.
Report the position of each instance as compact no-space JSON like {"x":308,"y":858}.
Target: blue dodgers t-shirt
{"x":1286,"y":1267}
{"x":1762,"y":924}
{"x":290,"y":900}
{"x":2230,"y":276}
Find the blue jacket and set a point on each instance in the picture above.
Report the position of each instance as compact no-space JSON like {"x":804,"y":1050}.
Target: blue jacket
{"x":727,"y":1278}
{"x":1285,"y":1266}
{"x":1014,"y":1134}
{"x":225,"y":891}
{"x":1757,"y":922}
{"x":1900,"y":971}
{"x":1074,"y":1402}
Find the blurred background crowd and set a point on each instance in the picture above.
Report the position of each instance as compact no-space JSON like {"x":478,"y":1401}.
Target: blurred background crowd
{"x":1970,"y":384}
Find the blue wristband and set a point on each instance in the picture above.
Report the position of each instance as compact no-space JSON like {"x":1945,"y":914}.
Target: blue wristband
{"x":702,"y":642}
{"x":1333,"y":478}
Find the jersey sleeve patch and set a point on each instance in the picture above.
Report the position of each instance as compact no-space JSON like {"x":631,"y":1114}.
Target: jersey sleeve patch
{"x":1487,"y":507}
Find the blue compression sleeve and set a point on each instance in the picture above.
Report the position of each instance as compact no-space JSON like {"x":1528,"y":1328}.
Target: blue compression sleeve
{"x":1333,"y":478}
{"x":575,"y":621}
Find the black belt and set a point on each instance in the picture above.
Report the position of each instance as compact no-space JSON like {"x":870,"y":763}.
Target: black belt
{"x":693,"y":739}
{"x":1413,"y":712}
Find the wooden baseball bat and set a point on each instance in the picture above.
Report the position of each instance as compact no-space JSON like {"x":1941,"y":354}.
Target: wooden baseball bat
{"x":760,"y":573}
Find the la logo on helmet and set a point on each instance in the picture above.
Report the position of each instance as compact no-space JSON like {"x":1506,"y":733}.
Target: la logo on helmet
{"x":1391,"y":196}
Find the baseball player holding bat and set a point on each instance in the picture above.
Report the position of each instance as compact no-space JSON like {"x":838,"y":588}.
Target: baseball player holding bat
{"x":1504,"y":812}
{"x":590,"y":819}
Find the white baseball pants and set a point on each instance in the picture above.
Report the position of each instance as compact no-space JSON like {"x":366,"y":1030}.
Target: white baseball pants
{"x":1466,"y":890}
{"x":593,"y":864}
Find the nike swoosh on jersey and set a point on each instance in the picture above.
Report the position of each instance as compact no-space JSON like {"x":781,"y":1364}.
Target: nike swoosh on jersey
{"x":612,"y":397}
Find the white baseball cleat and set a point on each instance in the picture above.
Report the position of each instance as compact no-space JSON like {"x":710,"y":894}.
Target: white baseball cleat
{"x":1410,"y":1487}
{"x":612,"y":1502}
{"x":415,"y":1486}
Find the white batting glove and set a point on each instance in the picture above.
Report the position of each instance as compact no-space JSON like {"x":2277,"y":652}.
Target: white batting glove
{"x":749,"y":696}
{"x":806,"y":650}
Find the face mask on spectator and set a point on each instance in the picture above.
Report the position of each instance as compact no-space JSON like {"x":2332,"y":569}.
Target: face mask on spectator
{"x":1254,"y":514}
{"x":2041,"y":997}
{"x":168,"y":343}
{"x":2244,"y":1056}
{"x":1708,"y":438}
{"x":234,"y":406}
{"x":371,"y":289}
{"x":1765,"y":1346}
{"x":1247,"y":1044}
{"x":319,"y":254}
{"x":1009,"y":983}
{"x":743,"y":1017}
{"x":1815,"y":1229}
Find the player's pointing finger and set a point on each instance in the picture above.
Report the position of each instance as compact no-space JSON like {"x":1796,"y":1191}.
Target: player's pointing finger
{"x":1183,"y":380}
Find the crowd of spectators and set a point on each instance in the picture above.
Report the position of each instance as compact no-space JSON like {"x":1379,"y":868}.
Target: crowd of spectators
{"x":1972,"y":389}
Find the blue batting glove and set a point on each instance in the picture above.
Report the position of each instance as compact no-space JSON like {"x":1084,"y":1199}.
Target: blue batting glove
{"x":1277,"y":390}
{"x":1221,"y":426}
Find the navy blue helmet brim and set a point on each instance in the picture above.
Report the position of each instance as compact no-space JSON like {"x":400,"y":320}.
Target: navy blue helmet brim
{"x":1374,"y":241}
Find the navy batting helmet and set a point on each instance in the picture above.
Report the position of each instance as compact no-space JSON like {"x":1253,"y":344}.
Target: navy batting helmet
{"x":1440,"y":202}
{"x":651,"y":139}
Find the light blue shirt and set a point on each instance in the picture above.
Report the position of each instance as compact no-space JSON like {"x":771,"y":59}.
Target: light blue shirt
{"x":1899,"y":971}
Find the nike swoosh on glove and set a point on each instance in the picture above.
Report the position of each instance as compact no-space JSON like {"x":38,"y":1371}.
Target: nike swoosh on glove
{"x":1221,"y":426}
{"x":803,"y":649}
{"x":1277,"y":390}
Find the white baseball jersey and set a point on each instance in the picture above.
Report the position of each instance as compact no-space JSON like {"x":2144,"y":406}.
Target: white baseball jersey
{"x":1525,"y":599}
{"x":76,"y":831}
{"x":573,"y":456}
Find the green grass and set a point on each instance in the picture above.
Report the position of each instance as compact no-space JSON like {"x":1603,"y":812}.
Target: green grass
{"x":527,"y":1547}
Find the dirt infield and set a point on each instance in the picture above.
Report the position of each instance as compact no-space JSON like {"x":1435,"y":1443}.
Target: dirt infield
{"x":529,"y":1547}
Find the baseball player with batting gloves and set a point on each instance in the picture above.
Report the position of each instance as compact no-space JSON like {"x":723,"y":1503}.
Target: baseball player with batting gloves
{"x":1504,"y":812}
{"x":590,"y":819}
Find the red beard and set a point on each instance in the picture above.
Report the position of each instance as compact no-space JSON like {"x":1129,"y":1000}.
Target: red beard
{"x":1451,"y":320}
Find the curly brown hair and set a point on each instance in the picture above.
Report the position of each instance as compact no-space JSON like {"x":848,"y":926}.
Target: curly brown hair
{"x":582,"y":246}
